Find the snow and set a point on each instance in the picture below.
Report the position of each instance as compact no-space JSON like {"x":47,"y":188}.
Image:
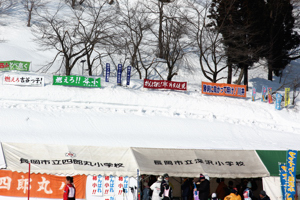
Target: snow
{"x":133,"y":116}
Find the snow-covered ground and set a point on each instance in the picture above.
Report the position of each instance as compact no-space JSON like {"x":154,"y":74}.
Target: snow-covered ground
{"x":134,"y":116}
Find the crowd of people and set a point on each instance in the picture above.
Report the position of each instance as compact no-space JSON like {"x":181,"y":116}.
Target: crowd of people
{"x":199,"y":189}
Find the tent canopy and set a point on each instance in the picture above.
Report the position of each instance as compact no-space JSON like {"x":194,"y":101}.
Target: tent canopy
{"x":122,"y":161}
{"x":272,"y":158}
{"x":2,"y":160}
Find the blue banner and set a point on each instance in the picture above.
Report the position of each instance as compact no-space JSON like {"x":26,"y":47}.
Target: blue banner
{"x":278,"y":101}
{"x":264,"y":93}
{"x":283,"y":179}
{"x":119,"y":74}
{"x":253,"y":93}
{"x":107,"y":72}
{"x":291,"y":174}
{"x":128,"y":74}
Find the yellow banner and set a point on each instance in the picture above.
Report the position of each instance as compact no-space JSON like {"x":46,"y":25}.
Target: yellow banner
{"x":287,"y":99}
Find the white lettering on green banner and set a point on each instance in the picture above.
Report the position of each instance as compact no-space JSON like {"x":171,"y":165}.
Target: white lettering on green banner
{"x":14,"y":65}
{"x":79,"y":81}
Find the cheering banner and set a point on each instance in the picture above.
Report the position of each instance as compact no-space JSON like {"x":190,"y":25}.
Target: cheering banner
{"x":162,"y":84}
{"x":79,"y":81}
{"x":287,"y":99}
{"x":283,"y":179}
{"x":23,"y":80}
{"x":119,"y":76}
{"x":128,"y":74}
{"x":291,"y":171}
{"x":41,"y":185}
{"x":222,"y":89}
{"x":278,"y":101}
{"x":264,"y":93}
{"x":97,"y":184}
{"x":14,"y":65}
{"x":270,"y":100}
{"x":107,"y":72}
{"x":253,"y":93}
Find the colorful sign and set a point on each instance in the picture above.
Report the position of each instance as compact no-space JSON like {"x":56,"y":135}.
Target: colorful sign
{"x":278,"y":101}
{"x":291,"y":171}
{"x":14,"y":65}
{"x":41,"y":185}
{"x":270,"y":99}
{"x":79,"y":81}
{"x":287,"y":99}
{"x":107,"y":72}
{"x":264,"y":93}
{"x":119,"y":76}
{"x":23,"y":80}
{"x":162,"y":84}
{"x":222,"y":89}
{"x":106,"y":186}
{"x":283,"y":179}
{"x":253,"y":93}
{"x":128,"y":74}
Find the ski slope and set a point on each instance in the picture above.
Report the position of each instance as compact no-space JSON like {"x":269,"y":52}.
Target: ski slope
{"x":134,"y":116}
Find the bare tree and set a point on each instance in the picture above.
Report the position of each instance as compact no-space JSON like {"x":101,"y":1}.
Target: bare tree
{"x":5,"y":5}
{"x":207,"y":43}
{"x":32,"y":5}
{"x":61,"y":32}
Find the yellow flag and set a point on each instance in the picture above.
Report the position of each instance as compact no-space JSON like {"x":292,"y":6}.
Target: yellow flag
{"x":287,"y":99}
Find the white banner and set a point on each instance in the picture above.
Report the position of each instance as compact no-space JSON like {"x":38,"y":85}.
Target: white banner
{"x":2,"y":160}
{"x":97,"y":185}
{"x":26,"y":80}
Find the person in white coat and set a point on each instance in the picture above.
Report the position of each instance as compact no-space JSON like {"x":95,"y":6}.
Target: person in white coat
{"x":156,"y":189}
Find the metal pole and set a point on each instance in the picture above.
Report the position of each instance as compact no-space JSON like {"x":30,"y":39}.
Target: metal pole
{"x":29,"y":182}
{"x":138,"y":185}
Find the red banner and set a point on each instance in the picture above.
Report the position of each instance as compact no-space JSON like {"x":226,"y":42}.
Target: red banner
{"x":222,"y":89}
{"x":41,"y":185}
{"x":161,"y":84}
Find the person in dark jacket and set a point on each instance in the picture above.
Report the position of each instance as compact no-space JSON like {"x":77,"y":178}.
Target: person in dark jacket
{"x":263,"y":195}
{"x":203,"y":188}
{"x":185,"y":188}
{"x":165,"y":189}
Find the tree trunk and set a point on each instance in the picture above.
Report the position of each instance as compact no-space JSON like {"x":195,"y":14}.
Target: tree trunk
{"x":238,"y":82}
{"x":229,"y":76}
{"x":29,"y":18}
{"x":270,"y":74}
{"x":246,"y":76}
{"x":160,"y":32}
{"x":73,"y":3}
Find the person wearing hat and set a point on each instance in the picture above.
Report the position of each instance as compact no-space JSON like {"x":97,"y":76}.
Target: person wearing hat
{"x":233,"y":195}
{"x":248,"y":192}
{"x":263,"y":195}
{"x":203,"y":188}
{"x":214,"y":196}
{"x":155,"y":187}
{"x":165,"y":189}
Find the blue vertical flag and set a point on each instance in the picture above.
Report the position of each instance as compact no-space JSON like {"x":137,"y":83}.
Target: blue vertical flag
{"x":278,"y":101}
{"x":119,"y":74}
{"x":291,"y":174}
{"x":264,"y":93}
{"x":253,"y":93}
{"x":107,"y":72}
{"x":128,"y":74}
{"x":283,"y":179}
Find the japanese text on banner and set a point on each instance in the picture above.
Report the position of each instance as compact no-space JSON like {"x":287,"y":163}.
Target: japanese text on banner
{"x":79,"y":81}
{"x":283,"y":179}
{"x":291,"y":171}
{"x":221,"y":89}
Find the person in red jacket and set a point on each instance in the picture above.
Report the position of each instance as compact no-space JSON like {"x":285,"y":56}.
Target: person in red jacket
{"x":69,"y":191}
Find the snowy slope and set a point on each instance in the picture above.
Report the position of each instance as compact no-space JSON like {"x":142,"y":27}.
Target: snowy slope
{"x":134,"y":116}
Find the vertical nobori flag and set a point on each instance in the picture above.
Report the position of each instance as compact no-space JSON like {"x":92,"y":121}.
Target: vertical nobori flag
{"x":128,"y":74}
{"x":253,"y":93}
{"x":291,"y":174}
{"x":283,"y":179}
{"x":287,"y":99}
{"x":107,"y":72}
{"x":278,"y":101}
{"x":264,"y":93}
{"x":119,"y":74}
{"x":270,"y":100}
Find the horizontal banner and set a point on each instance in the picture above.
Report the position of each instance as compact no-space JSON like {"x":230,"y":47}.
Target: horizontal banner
{"x":162,"y":84}
{"x":79,"y":81}
{"x":26,"y":80}
{"x":222,"y":89}
{"x":14,"y":65}
{"x":41,"y":185}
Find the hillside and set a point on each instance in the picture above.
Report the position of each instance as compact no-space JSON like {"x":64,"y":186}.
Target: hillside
{"x":134,"y":116}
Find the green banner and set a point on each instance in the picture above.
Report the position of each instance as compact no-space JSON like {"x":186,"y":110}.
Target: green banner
{"x":14,"y":65}
{"x":79,"y":81}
